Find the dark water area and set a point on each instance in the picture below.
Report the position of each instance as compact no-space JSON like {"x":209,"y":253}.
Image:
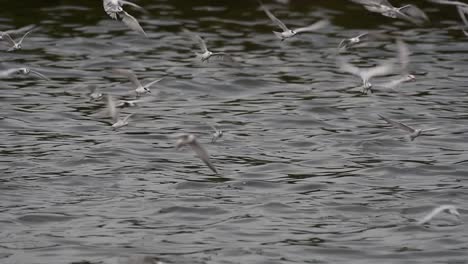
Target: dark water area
{"x":308,"y":173}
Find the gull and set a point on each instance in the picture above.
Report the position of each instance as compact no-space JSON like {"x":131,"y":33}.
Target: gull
{"x":14,"y":45}
{"x":367,"y":73}
{"x":114,"y":9}
{"x":449,"y":208}
{"x":216,"y":134}
{"x":139,"y":88}
{"x":410,"y":13}
{"x":289,"y":33}
{"x":206,"y":55}
{"x":114,"y":113}
{"x":462,"y":11}
{"x":23,"y":70}
{"x":94,"y":93}
{"x":414,"y":133}
{"x":350,"y":42}
{"x":190,"y":140}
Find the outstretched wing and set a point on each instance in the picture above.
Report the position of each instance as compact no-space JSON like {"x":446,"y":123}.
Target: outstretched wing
{"x":132,"y":23}
{"x":197,"y":39}
{"x":348,"y":67}
{"x":203,"y":155}
{"x":314,"y":27}
{"x":403,"y":54}
{"x":112,"y":109}
{"x":461,"y":11}
{"x":40,"y":75}
{"x":8,"y":39}
{"x":22,"y":38}
{"x":380,"y":70}
{"x":274,"y":19}
{"x":153,"y":82}
{"x":398,"y":124}
{"x":130,"y":75}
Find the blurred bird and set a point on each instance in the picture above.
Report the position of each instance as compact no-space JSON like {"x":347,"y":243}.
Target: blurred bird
{"x":414,"y":133}
{"x":289,"y":33}
{"x":117,"y":122}
{"x":12,"y":32}
{"x":13,"y":44}
{"x":449,"y":208}
{"x":367,"y":73}
{"x":114,"y":9}
{"x":190,"y":140}
{"x":206,"y":55}
{"x":23,"y":70}
{"x":410,"y":13}
{"x":216,"y":134}
{"x":94,"y":93}
{"x":139,"y":88}
{"x":350,"y":42}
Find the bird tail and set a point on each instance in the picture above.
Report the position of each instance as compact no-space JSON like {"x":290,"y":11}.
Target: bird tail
{"x":278,"y":35}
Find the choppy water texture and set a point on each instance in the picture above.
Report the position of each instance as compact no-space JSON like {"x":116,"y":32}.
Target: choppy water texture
{"x":308,"y":172}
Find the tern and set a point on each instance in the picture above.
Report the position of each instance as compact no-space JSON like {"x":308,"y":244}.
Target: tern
{"x":367,"y":73}
{"x":414,"y":133}
{"x":350,"y":42}
{"x":139,"y":88}
{"x":15,"y":31}
{"x":23,"y":70}
{"x":206,"y":55}
{"x":289,"y":33}
{"x":13,"y":44}
{"x":190,"y":140}
{"x":410,"y":13}
{"x":449,"y":208}
{"x":114,"y":9}
{"x":216,"y":134}
{"x":94,"y":93}
{"x":114,"y":113}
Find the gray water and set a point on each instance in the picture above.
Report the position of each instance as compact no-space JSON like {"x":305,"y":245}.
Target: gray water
{"x":308,"y":172}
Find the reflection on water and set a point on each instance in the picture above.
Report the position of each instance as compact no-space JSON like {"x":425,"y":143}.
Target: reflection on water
{"x":308,"y":171}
